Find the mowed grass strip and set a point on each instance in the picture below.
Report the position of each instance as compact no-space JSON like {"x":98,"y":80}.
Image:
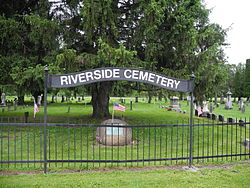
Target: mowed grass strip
{"x":237,"y":176}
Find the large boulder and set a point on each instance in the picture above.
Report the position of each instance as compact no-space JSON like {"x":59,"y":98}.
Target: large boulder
{"x":114,"y":136}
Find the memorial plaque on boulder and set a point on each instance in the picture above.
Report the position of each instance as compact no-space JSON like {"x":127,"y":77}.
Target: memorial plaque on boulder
{"x":114,"y":136}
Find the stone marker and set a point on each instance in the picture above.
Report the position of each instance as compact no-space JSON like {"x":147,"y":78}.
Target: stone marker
{"x":214,"y":117}
{"x":174,"y":103}
{"x":39,"y":99}
{"x":241,"y":123}
{"x":3,"y":99}
{"x":208,"y":115}
{"x":222,"y":101}
{"x":205,"y":110}
{"x":114,"y":136}
{"x":196,"y":112}
{"x":229,"y":105}
{"x":221,"y":118}
{"x":230,"y":120}
{"x":211,"y":107}
{"x":240,"y":104}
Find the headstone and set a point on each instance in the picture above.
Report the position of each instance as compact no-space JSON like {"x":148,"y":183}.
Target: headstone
{"x":211,"y":107}
{"x":208,"y":115}
{"x":214,"y":117}
{"x":229,"y":105}
{"x":230,"y":120}
{"x":240,"y":104}
{"x":248,"y":103}
{"x":114,"y":136}
{"x":174,"y":103}
{"x":247,"y":143}
{"x":221,"y":118}
{"x":205,"y":110}
{"x":79,"y":99}
{"x":3,"y":99}
{"x":39,"y":99}
{"x":196,"y":112}
{"x":241,"y":123}
{"x":222,"y":101}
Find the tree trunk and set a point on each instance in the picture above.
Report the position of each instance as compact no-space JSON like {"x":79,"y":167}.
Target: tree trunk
{"x":149,"y":96}
{"x":20,"y":100}
{"x":100,"y":99}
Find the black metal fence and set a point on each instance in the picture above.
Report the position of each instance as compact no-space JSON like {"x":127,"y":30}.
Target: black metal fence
{"x":81,"y":146}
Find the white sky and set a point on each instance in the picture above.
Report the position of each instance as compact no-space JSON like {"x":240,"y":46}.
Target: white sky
{"x":237,"y":15}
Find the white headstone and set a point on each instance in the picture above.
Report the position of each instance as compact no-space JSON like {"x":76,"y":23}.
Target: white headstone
{"x":174,"y":103}
{"x":205,"y":108}
{"x":39,"y":99}
{"x":3,"y":99}
{"x":229,"y":105}
{"x":241,"y":104}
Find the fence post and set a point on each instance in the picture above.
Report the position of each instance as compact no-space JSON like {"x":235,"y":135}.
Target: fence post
{"x":191,"y":124}
{"x":45,"y":118}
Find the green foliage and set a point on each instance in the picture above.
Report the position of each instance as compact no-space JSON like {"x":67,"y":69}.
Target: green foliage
{"x":247,"y":79}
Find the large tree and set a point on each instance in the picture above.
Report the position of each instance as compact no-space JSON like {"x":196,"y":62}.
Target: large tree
{"x":28,"y":37}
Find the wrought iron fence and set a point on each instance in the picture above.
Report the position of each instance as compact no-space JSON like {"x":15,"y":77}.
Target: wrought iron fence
{"x":84,"y":146}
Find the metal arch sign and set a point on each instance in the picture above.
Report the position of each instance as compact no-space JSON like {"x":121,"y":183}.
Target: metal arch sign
{"x":119,"y":73}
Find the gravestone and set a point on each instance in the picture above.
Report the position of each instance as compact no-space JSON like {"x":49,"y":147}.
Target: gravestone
{"x":211,"y":107}
{"x":208,"y":115}
{"x":230,"y":120}
{"x":3,"y":99}
{"x":79,"y":99}
{"x":248,"y":103}
{"x":174,"y":103}
{"x":196,"y":112}
{"x":221,"y":118}
{"x":241,"y":104}
{"x":241,"y":123}
{"x":214,"y":117}
{"x":114,"y":136}
{"x":205,"y":110}
{"x":229,"y":105}
{"x":222,"y":101}
{"x":39,"y":99}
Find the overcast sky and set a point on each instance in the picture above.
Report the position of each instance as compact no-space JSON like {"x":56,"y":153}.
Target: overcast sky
{"x":237,"y":15}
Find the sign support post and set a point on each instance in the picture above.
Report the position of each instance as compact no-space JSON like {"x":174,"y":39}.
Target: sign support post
{"x":45,"y":119}
{"x":191,"y":124}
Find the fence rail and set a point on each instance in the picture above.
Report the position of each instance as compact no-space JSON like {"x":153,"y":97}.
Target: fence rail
{"x":85,"y":146}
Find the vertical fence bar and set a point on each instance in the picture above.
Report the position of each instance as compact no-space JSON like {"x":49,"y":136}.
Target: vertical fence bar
{"x":1,"y":128}
{"x":46,"y":70}
{"x":191,"y":124}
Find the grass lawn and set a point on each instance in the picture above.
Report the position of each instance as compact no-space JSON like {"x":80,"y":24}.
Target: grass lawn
{"x":142,"y":113}
{"x":236,"y":176}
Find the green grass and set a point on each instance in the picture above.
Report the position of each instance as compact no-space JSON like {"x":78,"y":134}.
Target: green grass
{"x":26,"y":143}
{"x":237,"y":176}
